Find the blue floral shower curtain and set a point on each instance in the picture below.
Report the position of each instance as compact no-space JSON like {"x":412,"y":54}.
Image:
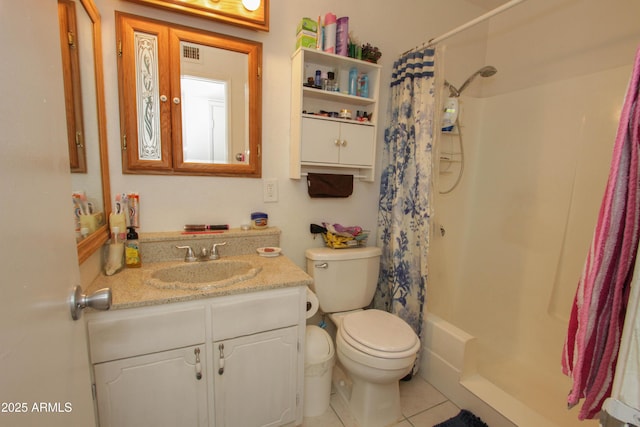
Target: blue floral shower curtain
{"x":405,"y":190}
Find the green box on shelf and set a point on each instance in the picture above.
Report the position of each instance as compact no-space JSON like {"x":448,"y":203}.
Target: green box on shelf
{"x":307,"y":24}
{"x":306,"y":39}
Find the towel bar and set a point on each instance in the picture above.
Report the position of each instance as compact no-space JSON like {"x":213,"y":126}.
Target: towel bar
{"x":355,"y":176}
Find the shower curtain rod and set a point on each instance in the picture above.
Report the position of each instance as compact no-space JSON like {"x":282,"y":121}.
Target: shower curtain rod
{"x":479,"y":19}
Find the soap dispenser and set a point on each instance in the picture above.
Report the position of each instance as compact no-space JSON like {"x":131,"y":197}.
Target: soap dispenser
{"x":132,"y":249}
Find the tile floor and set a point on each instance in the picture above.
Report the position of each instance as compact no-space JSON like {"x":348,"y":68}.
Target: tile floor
{"x":422,"y":406}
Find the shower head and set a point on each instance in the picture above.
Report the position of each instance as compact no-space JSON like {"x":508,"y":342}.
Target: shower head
{"x":486,"y":71}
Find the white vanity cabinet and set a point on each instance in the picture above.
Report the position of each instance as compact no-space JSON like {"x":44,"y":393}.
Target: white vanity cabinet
{"x":226,"y":361}
{"x":331,"y":144}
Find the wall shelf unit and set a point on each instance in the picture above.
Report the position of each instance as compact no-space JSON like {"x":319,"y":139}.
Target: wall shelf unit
{"x":332,"y":144}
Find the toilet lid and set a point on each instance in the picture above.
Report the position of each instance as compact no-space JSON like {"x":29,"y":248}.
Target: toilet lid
{"x":379,"y":333}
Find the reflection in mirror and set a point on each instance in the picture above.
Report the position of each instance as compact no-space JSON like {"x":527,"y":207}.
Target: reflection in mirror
{"x":92,"y":187}
{"x":214,"y":130}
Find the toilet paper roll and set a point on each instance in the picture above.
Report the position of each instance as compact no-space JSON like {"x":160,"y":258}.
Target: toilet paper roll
{"x":312,"y":303}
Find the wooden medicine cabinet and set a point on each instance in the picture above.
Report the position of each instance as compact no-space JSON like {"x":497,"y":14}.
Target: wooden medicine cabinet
{"x":190,"y":100}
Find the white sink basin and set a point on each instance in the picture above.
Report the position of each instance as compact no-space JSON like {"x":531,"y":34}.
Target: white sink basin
{"x":200,"y":275}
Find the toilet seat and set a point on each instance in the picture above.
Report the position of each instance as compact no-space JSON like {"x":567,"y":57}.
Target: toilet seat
{"x":379,"y":334}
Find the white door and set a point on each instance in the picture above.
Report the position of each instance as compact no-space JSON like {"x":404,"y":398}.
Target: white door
{"x":44,"y":368}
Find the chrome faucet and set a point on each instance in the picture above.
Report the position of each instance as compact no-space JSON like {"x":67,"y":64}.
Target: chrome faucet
{"x":213,"y":254}
{"x":204,"y":254}
{"x":189,"y":256}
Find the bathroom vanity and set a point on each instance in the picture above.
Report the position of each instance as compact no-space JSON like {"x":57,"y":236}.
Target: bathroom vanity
{"x":231,"y":355}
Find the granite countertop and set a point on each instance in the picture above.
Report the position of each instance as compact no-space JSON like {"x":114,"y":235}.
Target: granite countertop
{"x":129,"y":290}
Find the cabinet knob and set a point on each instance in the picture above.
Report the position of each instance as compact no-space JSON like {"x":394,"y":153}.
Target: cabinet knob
{"x":176,"y":100}
{"x":344,"y":142}
{"x":337,"y":142}
{"x":163,"y":98}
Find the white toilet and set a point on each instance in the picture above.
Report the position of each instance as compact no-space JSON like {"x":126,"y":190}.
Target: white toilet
{"x":375,"y":348}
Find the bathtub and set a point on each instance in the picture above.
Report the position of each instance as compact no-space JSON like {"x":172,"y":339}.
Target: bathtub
{"x":508,"y":396}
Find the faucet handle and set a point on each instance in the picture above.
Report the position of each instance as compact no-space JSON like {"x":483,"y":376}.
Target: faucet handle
{"x":189,"y":257}
{"x":214,"y":250}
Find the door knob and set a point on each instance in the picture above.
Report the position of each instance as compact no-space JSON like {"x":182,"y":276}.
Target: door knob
{"x":99,"y":300}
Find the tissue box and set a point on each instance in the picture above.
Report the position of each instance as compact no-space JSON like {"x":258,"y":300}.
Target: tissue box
{"x":306,"y":39}
{"x":307,"y":24}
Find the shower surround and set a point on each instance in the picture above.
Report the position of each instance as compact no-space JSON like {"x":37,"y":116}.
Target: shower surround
{"x":538,"y":138}
{"x":517,"y":231}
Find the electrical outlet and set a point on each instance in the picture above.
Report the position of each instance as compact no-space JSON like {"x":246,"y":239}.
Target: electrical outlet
{"x":270,"y":190}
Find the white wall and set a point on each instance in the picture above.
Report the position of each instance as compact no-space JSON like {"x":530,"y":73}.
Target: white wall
{"x":167,"y":203}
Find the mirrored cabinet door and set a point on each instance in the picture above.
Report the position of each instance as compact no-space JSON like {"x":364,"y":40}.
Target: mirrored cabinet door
{"x":69,"y":43}
{"x":81,"y":53}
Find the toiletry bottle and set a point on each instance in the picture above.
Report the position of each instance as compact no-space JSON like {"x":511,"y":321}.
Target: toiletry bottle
{"x":132,"y":249}
{"x":353,"y":81}
{"x":364,"y":86}
{"x":331,"y":81}
{"x":330,"y":33}
{"x":342,"y":36}
{"x":318,"y":79}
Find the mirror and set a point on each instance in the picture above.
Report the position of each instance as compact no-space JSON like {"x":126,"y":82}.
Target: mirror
{"x":214,"y":128}
{"x":202,"y":115}
{"x":81,"y":46}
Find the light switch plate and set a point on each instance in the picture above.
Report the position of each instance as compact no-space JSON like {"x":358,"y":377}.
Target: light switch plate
{"x":270,"y":190}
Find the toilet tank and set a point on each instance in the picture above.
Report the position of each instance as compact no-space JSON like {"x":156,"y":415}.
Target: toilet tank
{"x":343,"y":279}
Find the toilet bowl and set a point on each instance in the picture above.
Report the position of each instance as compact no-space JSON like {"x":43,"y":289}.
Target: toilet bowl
{"x":376,"y":349}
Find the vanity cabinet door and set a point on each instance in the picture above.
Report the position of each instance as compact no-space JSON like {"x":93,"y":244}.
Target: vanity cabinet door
{"x":160,"y":389}
{"x":255,"y":379}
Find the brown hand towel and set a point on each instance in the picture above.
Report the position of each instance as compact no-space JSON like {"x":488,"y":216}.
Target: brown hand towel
{"x":329,"y":185}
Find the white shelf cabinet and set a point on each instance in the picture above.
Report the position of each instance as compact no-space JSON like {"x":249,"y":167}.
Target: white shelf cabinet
{"x":227,"y":361}
{"x":330,"y":144}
